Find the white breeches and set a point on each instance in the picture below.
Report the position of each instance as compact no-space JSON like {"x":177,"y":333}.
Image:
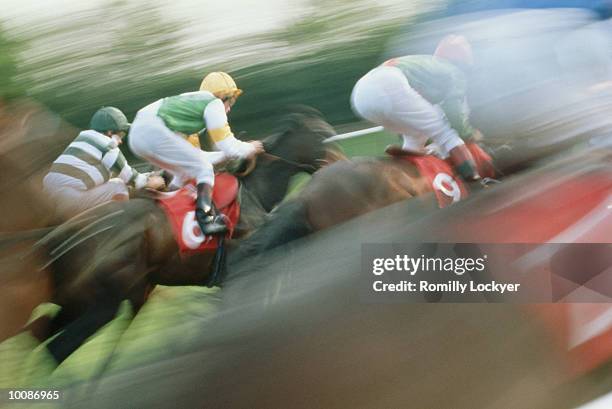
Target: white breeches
{"x":150,"y":139}
{"x":384,"y":97}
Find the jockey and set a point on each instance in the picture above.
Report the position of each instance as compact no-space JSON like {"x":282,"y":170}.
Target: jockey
{"x":423,"y":97}
{"x":92,"y":170}
{"x":159,"y":134}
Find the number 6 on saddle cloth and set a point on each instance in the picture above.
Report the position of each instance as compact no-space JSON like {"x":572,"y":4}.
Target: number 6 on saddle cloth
{"x":179,"y":206}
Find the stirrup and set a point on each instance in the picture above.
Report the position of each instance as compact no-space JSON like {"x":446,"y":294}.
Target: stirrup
{"x":215,"y":224}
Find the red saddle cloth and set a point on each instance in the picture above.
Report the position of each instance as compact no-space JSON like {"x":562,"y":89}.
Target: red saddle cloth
{"x":484,"y":162}
{"x":179,"y":206}
{"x":448,"y":187}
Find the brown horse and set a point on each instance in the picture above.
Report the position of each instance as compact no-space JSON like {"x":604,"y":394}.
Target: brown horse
{"x":118,"y":250}
{"x":22,"y":285}
{"x":30,"y":139}
{"x":345,"y":190}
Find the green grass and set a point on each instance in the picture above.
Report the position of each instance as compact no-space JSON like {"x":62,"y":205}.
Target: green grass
{"x":368,"y":145}
{"x":168,"y":321}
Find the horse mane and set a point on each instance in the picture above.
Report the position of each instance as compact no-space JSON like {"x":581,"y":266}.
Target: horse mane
{"x":299,"y":117}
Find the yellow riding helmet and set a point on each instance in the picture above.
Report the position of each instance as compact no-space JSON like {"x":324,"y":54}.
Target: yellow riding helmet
{"x":220,"y":85}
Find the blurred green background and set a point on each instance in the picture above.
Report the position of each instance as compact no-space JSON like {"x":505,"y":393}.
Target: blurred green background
{"x":130,"y":53}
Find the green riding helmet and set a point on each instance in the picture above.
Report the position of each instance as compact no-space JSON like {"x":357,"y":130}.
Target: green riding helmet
{"x":109,"y":119}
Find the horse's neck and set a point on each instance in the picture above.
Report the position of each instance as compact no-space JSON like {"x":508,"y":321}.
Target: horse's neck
{"x":269,"y":183}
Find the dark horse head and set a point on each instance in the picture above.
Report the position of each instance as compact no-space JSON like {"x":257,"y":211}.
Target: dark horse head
{"x":296,"y":146}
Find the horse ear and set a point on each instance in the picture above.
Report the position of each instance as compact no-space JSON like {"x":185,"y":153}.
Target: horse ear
{"x":269,"y":142}
{"x":290,"y":123}
{"x":298,"y":119}
{"x":314,"y":120}
{"x":287,"y":124}
{"x":296,"y":115}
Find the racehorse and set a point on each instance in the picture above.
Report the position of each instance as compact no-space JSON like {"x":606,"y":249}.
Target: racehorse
{"x":30,"y":139}
{"x":347,"y":189}
{"x":116,"y":251}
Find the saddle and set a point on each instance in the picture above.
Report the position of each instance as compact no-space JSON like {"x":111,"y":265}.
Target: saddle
{"x":446,"y":184}
{"x":179,"y":207}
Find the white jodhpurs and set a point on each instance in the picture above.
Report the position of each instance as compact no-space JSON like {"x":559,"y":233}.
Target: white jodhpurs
{"x":384,"y":96}
{"x":70,"y":201}
{"x":152,"y":140}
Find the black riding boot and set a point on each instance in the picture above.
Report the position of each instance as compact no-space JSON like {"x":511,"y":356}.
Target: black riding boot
{"x":210,"y":223}
{"x":464,"y":164}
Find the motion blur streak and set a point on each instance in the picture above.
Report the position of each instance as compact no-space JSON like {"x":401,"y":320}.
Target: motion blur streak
{"x":30,"y":139}
{"x":542,"y":79}
{"x":302,"y":336}
{"x":292,"y":326}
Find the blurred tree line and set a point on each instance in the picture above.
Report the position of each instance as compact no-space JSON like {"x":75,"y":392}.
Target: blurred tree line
{"x":9,"y":49}
{"x":128,"y":54}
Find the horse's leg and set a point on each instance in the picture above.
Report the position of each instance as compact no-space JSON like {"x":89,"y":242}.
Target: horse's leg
{"x":65,"y":316}
{"x":193,"y":270}
{"x":139,"y":294}
{"x":100,"y":312}
{"x":22,"y":288}
{"x":117,"y":273}
{"x":288,"y":223}
{"x":114,"y":283}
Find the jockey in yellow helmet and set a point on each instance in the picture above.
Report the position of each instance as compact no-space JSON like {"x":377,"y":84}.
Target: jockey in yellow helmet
{"x":222,"y":86}
{"x":157,"y":134}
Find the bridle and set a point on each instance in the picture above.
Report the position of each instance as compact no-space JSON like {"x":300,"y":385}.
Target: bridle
{"x":302,"y":166}
{"x":269,"y":143}
{"x":270,"y":156}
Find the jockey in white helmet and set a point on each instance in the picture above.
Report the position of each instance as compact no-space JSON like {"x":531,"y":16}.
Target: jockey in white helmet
{"x":423,"y":97}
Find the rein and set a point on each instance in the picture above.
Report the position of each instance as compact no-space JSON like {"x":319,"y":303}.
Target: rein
{"x":253,"y":162}
{"x":289,"y":162}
